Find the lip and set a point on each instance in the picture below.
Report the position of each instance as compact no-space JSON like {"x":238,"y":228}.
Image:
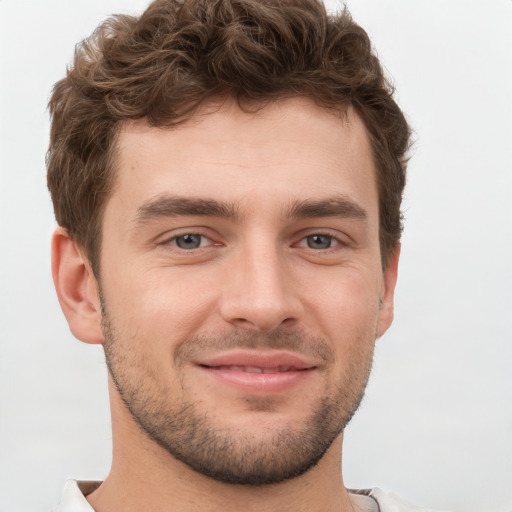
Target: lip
{"x":256,"y":372}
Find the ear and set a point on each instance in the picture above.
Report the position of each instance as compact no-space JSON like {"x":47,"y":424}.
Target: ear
{"x":387,"y":292}
{"x":76,"y":288}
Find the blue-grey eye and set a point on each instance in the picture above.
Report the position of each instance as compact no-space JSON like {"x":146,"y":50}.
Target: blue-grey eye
{"x":189,"y":241}
{"x":319,"y":241}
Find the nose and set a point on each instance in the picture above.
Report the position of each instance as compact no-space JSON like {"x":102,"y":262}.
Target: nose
{"x":259,"y":293}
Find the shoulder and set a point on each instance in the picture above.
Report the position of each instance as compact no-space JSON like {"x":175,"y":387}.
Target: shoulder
{"x":73,"y":496}
{"x":389,"y":502}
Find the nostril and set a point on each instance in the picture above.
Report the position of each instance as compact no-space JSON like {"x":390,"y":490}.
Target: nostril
{"x":266,"y":323}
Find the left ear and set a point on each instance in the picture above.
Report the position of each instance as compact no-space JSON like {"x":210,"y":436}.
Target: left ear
{"x":387,"y":292}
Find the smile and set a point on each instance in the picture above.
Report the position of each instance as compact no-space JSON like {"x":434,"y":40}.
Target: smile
{"x":255,"y":373}
{"x":256,"y":369}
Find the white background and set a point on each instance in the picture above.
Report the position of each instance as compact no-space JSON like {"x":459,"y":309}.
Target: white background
{"x":436,"y":426}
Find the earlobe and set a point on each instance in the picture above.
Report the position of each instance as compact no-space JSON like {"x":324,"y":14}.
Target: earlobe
{"x":76,"y":288}
{"x":390,"y":276}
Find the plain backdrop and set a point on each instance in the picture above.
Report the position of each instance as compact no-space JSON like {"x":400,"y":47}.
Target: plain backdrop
{"x":436,"y":424}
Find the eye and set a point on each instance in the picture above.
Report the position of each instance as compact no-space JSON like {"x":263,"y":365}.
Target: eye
{"x":190,"y":241}
{"x":319,"y":241}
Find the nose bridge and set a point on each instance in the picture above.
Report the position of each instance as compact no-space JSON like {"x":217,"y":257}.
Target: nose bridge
{"x":261,"y":294}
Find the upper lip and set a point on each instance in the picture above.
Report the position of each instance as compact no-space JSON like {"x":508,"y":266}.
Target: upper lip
{"x":264,"y":360}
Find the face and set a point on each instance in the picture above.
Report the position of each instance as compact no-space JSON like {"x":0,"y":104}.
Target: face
{"x":241,"y":285}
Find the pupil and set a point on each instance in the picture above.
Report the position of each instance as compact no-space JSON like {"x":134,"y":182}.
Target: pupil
{"x":319,"y":241}
{"x":188,"y":241}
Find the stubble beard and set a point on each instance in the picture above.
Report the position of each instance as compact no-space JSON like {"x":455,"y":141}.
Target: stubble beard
{"x":231,"y":455}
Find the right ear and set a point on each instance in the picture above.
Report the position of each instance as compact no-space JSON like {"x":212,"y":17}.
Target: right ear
{"x":77,"y":288}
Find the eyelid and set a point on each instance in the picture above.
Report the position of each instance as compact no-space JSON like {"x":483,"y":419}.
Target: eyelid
{"x":203,"y":241}
{"x":338,"y":238}
{"x":168,"y":238}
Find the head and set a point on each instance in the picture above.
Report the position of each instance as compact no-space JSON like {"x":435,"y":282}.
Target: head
{"x":227,"y":176}
{"x":178,"y":55}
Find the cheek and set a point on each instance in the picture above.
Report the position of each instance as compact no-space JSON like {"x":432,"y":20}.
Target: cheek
{"x":347,"y":306}
{"x":159,"y":307}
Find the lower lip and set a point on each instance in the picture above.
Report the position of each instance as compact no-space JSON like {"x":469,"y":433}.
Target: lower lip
{"x":259,"y":383}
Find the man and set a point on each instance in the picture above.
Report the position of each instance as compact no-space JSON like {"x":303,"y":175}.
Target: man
{"x":227,"y":178}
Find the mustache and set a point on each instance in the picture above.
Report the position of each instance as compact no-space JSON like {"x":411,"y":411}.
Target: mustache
{"x":293,"y":341}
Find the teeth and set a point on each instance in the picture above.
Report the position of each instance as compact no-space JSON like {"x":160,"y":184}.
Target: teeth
{"x":255,"y":369}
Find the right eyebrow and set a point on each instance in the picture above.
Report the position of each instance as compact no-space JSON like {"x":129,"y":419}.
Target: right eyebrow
{"x":175,"y":206}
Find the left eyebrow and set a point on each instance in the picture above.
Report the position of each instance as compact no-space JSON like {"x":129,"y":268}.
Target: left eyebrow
{"x":338,"y":206}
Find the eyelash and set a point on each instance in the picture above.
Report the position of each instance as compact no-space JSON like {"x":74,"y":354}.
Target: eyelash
{"x":333,"y":240}
{"x":173,"y":240}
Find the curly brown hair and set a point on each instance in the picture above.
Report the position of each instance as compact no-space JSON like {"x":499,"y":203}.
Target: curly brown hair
{"x":163,"y":65}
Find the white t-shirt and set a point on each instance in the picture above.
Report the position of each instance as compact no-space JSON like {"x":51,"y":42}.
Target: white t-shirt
{"x":73,"y":499}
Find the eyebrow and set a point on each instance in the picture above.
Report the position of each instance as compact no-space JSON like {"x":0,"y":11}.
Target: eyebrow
{"x":338,"y":206}
{"x":175,"y":206}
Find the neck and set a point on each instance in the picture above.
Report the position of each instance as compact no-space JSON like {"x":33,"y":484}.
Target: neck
{"x":134,"y":484}
{"x":146,"y":477}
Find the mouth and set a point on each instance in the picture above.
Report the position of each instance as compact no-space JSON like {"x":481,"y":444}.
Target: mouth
{"x":256,"y":373}
{"x":256,"y":369}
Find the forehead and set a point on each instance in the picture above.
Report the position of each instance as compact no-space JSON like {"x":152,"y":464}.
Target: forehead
{"x":287,"y":149}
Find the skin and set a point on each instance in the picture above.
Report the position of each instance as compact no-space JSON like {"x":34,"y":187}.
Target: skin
{"x":258,"y":275}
